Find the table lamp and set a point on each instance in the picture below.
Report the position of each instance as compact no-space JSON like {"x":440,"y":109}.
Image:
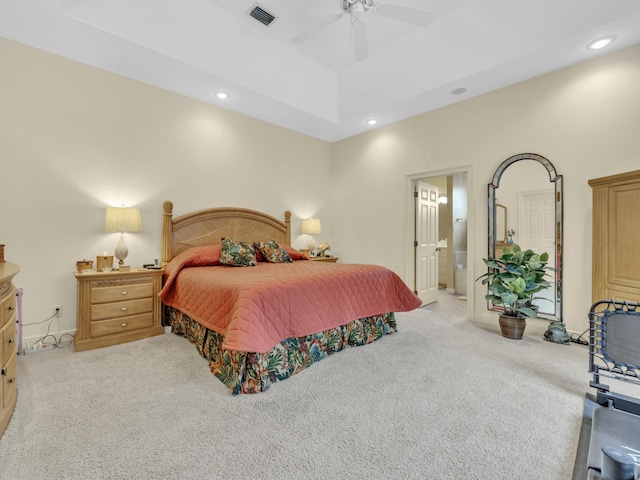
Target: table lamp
{"x":121,"y":219}
{"x":311,"y":227}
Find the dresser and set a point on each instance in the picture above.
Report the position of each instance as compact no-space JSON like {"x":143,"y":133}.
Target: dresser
{"x":8,"y":346}
{"x":616,"y":233}
{"x":117,"y":307}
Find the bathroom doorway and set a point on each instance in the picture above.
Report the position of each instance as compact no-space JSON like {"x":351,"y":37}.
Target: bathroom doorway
{"x":453,"y":232}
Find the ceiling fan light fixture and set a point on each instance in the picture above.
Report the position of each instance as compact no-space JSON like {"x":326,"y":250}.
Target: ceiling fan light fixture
{"x":601,"y":42}
{"x":357,"y":10}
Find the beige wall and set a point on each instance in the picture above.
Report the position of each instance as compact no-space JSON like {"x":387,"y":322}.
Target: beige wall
{"x":75,"y":139}
{"x":585,"y":119}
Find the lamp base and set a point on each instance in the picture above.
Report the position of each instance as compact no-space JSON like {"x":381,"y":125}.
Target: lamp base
{"x":312,"y":245}
{"x":121,"y":250}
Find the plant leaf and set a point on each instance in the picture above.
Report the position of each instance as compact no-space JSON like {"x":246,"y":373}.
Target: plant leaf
{"x":508,"y":298}
{"x":528,"y":312}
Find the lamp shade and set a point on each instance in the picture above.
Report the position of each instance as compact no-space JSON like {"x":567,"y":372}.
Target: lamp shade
{"x":121,"y":219}
{"x":311,"y":226}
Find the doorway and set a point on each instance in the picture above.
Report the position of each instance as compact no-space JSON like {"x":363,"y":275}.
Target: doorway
{"x":452,"y":233}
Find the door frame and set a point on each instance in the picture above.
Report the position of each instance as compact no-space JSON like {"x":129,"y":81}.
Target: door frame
{"x":409,"y":227}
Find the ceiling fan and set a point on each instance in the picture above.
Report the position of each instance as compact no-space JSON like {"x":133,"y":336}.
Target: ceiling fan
{"x":356,"y":10}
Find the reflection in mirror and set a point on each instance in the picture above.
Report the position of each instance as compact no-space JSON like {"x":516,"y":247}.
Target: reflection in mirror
{"x":501,"y":224}
{"x":528,"y":187}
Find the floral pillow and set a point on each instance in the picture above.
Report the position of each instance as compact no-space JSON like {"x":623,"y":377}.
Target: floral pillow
{"x":273,"y":252}
{"x":237,"y":254}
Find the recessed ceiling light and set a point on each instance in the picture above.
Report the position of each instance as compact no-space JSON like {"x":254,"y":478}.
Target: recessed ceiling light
{"x":601,"y":42}
{"x":372,"y":121}
{"x":458,"y":91}
{"x":222,"y":95}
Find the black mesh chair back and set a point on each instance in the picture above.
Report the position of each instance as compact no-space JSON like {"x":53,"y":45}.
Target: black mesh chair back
{"x":614,"y":344}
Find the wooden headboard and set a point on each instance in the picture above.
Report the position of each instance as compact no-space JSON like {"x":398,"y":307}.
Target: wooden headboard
{"x":206,"y":227}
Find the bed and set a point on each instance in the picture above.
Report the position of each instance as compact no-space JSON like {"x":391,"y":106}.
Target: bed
{"x":264,"y":321}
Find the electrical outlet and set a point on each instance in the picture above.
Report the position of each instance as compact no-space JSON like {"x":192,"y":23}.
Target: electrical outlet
{"x":57,"y":310}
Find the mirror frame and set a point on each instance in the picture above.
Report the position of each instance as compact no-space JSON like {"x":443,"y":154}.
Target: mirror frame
{"x":559,"y":221}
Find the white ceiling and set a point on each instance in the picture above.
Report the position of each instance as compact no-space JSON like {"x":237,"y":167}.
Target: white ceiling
{"x":197,"y":47}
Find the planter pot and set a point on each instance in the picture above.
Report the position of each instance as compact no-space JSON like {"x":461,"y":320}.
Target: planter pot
{"x":512,"y":327}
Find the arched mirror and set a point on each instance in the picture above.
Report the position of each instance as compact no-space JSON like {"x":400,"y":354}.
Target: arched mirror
{"x":529,"y":189}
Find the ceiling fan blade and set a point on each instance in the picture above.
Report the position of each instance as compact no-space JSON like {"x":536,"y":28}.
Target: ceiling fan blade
{"x":325,"y":22}
{"x":360,"y":45}
{"x":405,"y":14}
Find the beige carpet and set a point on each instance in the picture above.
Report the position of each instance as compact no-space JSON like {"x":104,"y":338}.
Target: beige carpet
{"x":441,"y":399}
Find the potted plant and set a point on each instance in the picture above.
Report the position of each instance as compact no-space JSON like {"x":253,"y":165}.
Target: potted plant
{"x":513,"y":280}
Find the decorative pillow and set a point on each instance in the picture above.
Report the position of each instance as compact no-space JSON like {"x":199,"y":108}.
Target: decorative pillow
{"x":273,"y":252}
{"x":259,"y":256}
{"x":237,"y":254}
{"x":293,"y":253}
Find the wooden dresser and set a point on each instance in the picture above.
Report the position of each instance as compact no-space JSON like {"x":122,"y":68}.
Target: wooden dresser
{"x":8,"y":346}
{"x":616,"y":236}
{"x":117,"y":307}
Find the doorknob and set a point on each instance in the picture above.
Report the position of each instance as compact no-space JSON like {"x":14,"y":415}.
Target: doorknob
{"x":438,"y":249}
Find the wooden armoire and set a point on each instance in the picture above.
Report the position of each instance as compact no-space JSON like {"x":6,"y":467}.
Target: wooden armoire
{"x":616,"y":237}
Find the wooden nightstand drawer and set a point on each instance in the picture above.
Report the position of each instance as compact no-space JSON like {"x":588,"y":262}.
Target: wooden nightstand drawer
{"x":120,"y":325}
{"x":8,"y":338}
{"x":121,"y":309}
{"x":120,"y":292}
{"x":9,"y":373}
{"x":8,"y":305}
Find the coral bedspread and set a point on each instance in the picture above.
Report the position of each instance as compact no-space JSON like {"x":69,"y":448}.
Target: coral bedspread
{"x":256,"y":307}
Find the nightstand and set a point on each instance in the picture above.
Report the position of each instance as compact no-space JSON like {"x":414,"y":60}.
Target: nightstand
{"x":324,"y":259}
{"x":117,"y":307}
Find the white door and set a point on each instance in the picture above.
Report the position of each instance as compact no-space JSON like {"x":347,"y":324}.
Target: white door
{"x":426,"y":242}
{"x":538,"y":226}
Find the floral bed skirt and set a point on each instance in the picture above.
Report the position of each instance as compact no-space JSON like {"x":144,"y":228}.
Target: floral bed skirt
{"x":250,"y":372}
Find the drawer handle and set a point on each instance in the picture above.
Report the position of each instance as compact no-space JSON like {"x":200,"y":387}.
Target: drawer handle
{"x":11,"y":308}
{"x":124,"y":324}
{"x":124,"y":309}
{"x":124,"y":292}
{"x":11,"y":380}
{"x":4,"y":371}
{"x":11,"y":340}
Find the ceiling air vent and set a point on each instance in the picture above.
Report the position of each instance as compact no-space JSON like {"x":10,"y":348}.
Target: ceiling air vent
{"x":261,"y":15}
